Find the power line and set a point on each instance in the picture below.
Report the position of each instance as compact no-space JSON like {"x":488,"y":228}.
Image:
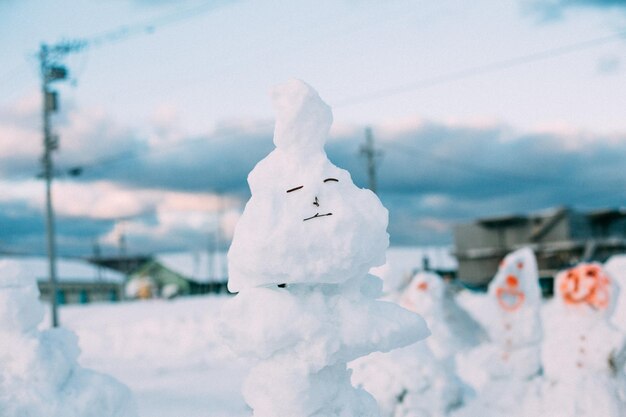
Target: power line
{"x":148,"y":27}
{"x":481,"y":69}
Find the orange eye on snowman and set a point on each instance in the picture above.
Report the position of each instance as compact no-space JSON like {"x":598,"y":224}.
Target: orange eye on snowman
{"x":510,"y":296}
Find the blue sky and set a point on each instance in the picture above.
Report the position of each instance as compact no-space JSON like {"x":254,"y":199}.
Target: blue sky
{"x":480,"y":108}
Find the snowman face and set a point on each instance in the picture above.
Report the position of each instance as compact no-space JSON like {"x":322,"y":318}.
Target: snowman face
{"x":516,"y":285}
{"x":314,"y":199}
{"x":425,"y":290}
{"x":510,"y":296}
{"x":585,"y":284}
{"x":306,"y":222}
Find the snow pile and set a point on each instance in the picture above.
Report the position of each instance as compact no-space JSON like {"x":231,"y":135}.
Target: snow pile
{"x":583,"y":354}
{"x":299,"y":259}
{"x":39,"y":374}
{"x":501,"y":371}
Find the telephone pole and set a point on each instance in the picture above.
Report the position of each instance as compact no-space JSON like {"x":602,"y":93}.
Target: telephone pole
{"x":370,"y":154}
{"x":51,"y":70}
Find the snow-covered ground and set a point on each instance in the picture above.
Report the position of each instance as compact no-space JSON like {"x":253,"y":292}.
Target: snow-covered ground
{"x":167,"y":353}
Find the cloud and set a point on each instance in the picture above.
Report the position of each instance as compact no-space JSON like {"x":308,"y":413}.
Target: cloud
{"x":170,"y":186}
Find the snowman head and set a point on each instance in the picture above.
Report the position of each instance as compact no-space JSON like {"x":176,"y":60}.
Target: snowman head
{"x":306,"y":221}
{"x":516,"y":284}
{"x":425,"y":291}
{"x":585,"y":287}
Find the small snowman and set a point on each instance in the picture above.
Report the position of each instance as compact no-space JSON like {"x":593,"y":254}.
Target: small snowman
{"x":583,"y":354}
{"x":409,"y":382}
{"x":299,"y":261}
{"x":501,"y":371}
{"x":453,"y":329}
{"x":39,"y":373}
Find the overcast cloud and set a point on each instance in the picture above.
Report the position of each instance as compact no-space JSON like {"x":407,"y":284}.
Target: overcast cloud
{"x":171,"y":189}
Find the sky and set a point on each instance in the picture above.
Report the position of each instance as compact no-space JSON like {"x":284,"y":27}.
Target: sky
{"x":477,"y":108}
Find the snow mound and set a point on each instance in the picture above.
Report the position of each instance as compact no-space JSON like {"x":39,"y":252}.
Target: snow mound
{"x":39,"y":373}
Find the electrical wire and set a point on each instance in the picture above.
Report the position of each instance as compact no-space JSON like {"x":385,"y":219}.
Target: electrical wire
{"x":481,"y":69}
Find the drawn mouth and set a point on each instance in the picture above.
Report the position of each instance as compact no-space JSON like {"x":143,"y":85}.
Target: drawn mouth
{"x":317,"y":215}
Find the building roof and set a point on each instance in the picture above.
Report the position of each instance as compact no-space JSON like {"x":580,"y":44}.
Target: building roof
{"x":198,"y":266}
{"x":68,"y":270}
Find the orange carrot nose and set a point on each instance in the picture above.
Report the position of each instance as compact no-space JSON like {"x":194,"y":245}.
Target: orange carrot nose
{"x":422,"y":286}
{"x":512,"y":281}
{"x":520,"y":265}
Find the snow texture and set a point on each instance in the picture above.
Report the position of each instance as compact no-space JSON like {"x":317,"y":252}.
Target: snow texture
{"x":39,"y":374}
{"x":299,"y":259}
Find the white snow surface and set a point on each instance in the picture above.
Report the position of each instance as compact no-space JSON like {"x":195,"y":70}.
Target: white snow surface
{"x":39,"y":373}
{"x":169,"y":353}
{"x":299,"y":259}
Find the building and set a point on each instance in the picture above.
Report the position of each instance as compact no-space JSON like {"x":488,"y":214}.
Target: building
{"x":560,"y":237}
{"x":78,"y":282}
{"x":170,"y":274}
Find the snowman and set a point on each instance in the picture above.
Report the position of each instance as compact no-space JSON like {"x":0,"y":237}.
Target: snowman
{"x":409,"y":382}
{"x":39,"y":373}
{"x":501,"y":371}
{"x":453,"y":330}
{"x":420,"y":380}
{"x":299,"y":261}
{"x":583,"y":354}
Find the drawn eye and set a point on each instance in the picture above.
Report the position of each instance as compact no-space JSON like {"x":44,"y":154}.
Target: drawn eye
{"x":331,"y":179}
{"x":295,"y":188}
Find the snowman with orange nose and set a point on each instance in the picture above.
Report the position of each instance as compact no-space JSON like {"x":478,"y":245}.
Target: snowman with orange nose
{"x":516,"y":331}
{"x":453,"y":329}
{"x":583,"y":354}
{"x":503,"y":370}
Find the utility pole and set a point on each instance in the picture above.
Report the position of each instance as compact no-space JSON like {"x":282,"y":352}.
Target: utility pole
{"x":370,"y":154}
{"x":51,"y":71}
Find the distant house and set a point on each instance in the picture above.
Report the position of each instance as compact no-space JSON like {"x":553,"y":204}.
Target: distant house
{"x":206,"y":272}
{"x":152,"y":279}
{"x":78,"y":282}
{"x":171,"y":274}
{"x":559,"y":237}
